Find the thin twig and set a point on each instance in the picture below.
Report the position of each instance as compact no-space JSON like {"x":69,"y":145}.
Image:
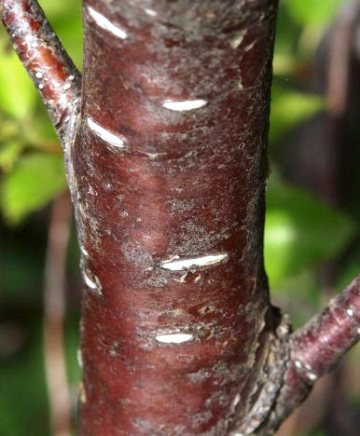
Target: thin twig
{"x":328,"y":336}
{"x":45,"y":59}
{"x":321,"y":344}
{"x":54,"y":309}
{"x":318,"y":347}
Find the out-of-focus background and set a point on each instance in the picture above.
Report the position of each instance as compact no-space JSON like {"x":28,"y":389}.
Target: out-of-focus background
{"x":311,"y":240}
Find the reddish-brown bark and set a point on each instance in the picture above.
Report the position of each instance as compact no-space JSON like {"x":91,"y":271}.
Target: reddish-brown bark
{"x":44,"y":58}
{"x":172,"y":184}
{"x":318,"y":347}
{"x":167,"y":179}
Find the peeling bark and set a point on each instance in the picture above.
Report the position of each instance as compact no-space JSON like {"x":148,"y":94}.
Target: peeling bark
{"x":167,"y":177}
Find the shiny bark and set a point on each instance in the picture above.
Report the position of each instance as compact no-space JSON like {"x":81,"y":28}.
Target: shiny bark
{"x":167,"y":177}
{"x":171,"y":168}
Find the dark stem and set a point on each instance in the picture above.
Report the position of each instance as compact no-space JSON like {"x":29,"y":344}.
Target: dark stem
{"x":54,"y":308}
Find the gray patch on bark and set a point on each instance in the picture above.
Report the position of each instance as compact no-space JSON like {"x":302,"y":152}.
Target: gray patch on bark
{"x":270,"y":380}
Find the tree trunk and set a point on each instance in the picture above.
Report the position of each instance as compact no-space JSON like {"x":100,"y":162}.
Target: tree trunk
{"x":171,"y":166}
{"x":167,"y":177}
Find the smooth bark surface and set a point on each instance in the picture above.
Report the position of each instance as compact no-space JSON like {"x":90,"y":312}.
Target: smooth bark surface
{"x":46,"y":61}
{"x":171,"y":170}
{"x":167,"y":178}
{"x":317,"y":348}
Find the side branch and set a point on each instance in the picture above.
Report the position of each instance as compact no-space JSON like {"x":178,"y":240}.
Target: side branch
{"x":328,"y":336}
{"x":318,"y":347}
{"x":46,"y":61}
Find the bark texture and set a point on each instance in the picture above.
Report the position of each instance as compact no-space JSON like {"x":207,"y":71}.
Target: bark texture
{"x":167,"y":178}
{"x":317,"y":348}
{"x":46,"y":61}
{"x":170,"y":168}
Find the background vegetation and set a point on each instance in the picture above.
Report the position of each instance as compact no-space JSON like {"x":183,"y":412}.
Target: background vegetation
{"x":313,"y":207}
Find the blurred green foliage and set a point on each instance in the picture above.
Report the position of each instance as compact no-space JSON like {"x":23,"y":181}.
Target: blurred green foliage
{"x":17,"y":95}
{"x":289,"y":107}
{"x":30,"y":154}
{"x":23,"y":403}
{"x":300,"y":231}
{"x":33,"y":182}
{"x":312,"y":12}
{"x":32,"y":174}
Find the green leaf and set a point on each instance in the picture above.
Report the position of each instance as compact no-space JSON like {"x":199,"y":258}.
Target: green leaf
{"x":286,"y":39}
{"x":349,"y":270}
{"x":9,"y":153}
{"x":289,"y":108}
{"x":39,"y":132}
{"x":66,"y":19}
{"x":300,"y":231}
{"x":17,"y":93}
{"x":35,"y":180}
{"x":313,"y":12}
